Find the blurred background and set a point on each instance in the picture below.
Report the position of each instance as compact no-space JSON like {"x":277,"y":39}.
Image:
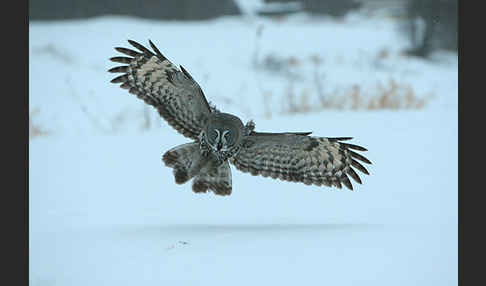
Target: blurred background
{"x":431,"y":25}
{"x":104,"y":210}
{"x":319,"y":65}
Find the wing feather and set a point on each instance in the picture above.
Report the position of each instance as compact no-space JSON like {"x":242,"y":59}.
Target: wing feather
{"x":174,"y":93}
{"x":127,"y":52}
{"x":299,"y":158}
{"x":122,"y":60}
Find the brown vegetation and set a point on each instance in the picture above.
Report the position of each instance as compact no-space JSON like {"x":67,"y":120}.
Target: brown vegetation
{"x":35,"y":130}
{"x":393,"y":96}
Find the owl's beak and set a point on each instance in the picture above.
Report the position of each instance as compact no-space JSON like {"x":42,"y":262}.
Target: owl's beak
{"x":220,"y":145}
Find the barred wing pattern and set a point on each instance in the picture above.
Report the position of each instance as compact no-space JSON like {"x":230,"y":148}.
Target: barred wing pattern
{"x":173,"y":92}
{"x":301,"y":158}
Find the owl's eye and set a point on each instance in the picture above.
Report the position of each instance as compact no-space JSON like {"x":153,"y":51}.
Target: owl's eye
{"x":226,"y":137}
{"x":215,"y":135}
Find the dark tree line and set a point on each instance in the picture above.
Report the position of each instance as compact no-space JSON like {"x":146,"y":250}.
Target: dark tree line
{"x":151,"y":9}
{"x":440,"y":30}
{"x":335,"y":8}
{"x":431,"y":25}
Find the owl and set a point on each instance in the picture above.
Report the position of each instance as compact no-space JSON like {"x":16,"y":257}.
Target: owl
{"x":219,"y":138}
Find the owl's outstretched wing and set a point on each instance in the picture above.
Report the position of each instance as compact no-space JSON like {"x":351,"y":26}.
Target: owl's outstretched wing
{"x":173,"y":92}
{"x":300,"y":158}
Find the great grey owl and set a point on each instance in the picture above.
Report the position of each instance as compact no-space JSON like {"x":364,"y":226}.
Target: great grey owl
{"x":220,"y":138}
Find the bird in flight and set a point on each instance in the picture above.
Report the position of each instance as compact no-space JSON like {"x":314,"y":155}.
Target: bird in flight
{"x":219,"y":138}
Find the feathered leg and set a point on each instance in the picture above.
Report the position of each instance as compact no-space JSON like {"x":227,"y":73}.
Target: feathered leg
{"x":188,"y":162}
{"x":216,"y":179}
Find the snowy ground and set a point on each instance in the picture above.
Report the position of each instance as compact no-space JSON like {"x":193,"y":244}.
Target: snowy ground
{"x":104,"y":210}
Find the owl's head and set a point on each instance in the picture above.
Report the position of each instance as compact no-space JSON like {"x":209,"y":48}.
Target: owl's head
{"x":223,"y":132}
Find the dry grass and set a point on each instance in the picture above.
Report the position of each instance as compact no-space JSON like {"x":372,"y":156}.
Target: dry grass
{"x":392,"y":96}
{"x":56,"y":53}
{"x":396,"y":96}
{"x":389,"y":96}
{"x":35,"y":130}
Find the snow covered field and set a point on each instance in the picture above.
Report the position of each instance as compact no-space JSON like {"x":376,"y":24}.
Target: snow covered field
{"x":104,"y":210}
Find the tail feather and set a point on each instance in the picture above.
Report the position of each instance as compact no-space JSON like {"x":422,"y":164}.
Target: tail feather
{"x":184,"y":160}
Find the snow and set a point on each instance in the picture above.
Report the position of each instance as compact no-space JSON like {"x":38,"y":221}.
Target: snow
{"x":104,"y":210}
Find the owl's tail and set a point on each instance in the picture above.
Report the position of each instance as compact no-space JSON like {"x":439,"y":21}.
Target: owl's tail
{"x":188,"y":162}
